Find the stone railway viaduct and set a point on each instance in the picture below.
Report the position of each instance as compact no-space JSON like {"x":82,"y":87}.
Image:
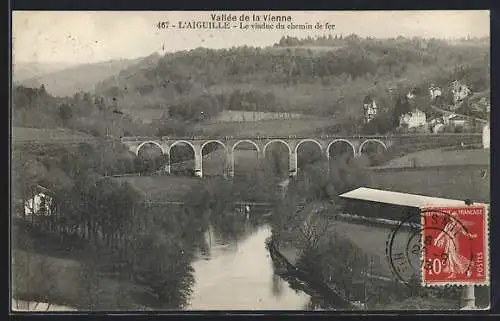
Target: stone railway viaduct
{"x":324,"y":143}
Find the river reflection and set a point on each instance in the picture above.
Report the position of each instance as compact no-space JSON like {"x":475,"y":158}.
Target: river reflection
{"x":238,"y":275}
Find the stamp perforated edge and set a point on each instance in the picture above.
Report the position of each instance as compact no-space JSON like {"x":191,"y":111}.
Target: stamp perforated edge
{"x":486,"y":235}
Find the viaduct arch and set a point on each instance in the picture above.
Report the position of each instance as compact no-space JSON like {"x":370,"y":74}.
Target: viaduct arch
{"x":340,"y":140}
{"x":261,"y":144}
{"x":213,"y":141}
{"x":308,"y":140}
{"x":276,"y":141}
{"x":371,"y":141}
{"x":150,"y":142}
{"x":245,"y":141}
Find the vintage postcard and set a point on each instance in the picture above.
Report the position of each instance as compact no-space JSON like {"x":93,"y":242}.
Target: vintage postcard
{"x":250,"y":160}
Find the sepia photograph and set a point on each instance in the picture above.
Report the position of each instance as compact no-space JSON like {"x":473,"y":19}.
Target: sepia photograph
{"x":250,"y":160}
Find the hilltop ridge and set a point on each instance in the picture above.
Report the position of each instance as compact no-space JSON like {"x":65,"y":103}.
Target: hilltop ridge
{"x":326,"y":76}
{"x":68,"y":80}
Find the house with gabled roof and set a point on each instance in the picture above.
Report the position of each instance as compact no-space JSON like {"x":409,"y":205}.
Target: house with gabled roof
{"x":369,"y":108}
{"x":435,"y":92}
{"x":40,"y":202}
{"x":460,"y":91}
{"x":415,"y":118}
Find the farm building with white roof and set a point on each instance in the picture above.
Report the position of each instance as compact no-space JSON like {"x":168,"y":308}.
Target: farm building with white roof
{"x":376,"y":203}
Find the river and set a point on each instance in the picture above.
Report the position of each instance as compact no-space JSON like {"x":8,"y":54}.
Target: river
{"x":239,"y":276}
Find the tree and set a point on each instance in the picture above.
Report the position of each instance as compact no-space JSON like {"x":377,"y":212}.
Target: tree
{"x":65,"y":113}
{"x":165,"y":268}
{"x":401,"y":107}
{"x":381,"y":124}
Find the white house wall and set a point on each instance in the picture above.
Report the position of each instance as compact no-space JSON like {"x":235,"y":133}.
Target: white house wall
{"x":33,"y":205}
{"x":414,"y":119}
{"x":486,"y":136}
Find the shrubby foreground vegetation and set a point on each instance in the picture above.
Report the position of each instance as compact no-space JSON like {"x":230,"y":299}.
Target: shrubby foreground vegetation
{"x":106,"y":226}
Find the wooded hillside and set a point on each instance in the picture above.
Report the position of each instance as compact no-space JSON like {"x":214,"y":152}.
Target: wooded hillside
{"x":322,"y":76}
{"x":326,"y":76}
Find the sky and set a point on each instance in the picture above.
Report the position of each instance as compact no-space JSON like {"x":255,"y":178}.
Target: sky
{"x":76,"y":37}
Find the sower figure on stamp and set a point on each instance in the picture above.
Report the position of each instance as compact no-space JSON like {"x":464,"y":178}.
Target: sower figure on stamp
{"x":448,"y":241}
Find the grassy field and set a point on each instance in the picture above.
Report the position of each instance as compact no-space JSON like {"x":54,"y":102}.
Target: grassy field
{"x":301,"y":98}
{"x":272,"y":127}
{"x":145,"y":114}
{"x":442,"y":157}
{"x":243,"y":116}
{"x":266,"y":127}
{"x":456,"y":182}
{"x":65,"y":281}
{"x":374,"y":245}
{"x":448,"y":173}
{"x":66,"y":271}
{"x":24,"y":134}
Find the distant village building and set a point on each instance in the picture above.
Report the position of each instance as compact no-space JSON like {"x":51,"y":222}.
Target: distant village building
{"x":446,"y":118}
{"x":483,"y":105}
{"x":436,"y":125}
{"x":369,"y":108}
{"x":460,"y":91}
{"x":457,"y":120}
{"x":40,"y":203}
{"x":450,"y":121}
{"x":435,"y":92}
{"x":438,"y":128}
{"x":486,"y":103}
{"x":486,"y":136}
{"x":415,"y":118}
{"x":410,"y":95}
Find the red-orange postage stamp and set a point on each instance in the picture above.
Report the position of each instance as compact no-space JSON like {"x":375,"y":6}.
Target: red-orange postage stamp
{"x":455,"y":246}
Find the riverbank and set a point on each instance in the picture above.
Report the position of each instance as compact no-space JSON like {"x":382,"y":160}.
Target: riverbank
{"x":287,"y":268}
{"x":71,"y":282}
{"x":67,"y":271}
{"x":31,"y":306}
{"x":73,"y":275}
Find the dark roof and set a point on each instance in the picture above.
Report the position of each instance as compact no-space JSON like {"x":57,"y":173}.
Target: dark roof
{"x":44,"y":189}
{"x":368,"y":100}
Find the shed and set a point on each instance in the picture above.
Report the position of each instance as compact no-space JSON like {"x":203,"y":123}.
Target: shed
{"x":40,"y":203}
{"x":377,"y":203}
